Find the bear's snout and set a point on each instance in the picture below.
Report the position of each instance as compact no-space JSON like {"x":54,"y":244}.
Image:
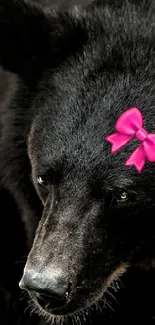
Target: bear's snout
{"x":51,"y":291}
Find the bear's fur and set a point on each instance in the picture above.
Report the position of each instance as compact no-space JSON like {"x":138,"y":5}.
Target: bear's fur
{"x":69,"y":77}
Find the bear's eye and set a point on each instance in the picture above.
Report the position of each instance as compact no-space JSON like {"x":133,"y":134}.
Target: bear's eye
{"x":122,"y":197}
{"x":41,"y":180}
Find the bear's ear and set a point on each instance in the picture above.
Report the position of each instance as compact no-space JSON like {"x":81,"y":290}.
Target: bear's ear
{"x":29,"y":38}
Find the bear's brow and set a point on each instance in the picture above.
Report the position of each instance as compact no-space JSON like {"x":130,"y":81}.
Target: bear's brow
{"x":119,"y":183}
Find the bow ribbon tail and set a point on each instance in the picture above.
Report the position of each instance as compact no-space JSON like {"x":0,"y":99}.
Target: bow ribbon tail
{"x":118,"y":140}
{"x":137,"y":158}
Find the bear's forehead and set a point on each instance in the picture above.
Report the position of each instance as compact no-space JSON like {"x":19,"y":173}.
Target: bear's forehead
{"x":80,"y":153}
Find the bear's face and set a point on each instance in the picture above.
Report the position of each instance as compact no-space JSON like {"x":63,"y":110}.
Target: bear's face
{"x":97,"y":212}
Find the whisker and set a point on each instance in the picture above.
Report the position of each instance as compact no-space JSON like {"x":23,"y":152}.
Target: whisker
{"x":112,"y":296}
{"x":20,"y":261}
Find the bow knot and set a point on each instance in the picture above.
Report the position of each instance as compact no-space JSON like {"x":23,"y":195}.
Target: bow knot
{"x":128,"y":126}
{"x":141,"y":134}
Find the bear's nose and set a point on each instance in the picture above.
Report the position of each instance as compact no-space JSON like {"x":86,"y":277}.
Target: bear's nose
{"x":50,"y":290}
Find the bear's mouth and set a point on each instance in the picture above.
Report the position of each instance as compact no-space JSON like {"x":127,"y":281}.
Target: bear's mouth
{"x":49,"y":309}
{"x":70,"y":306}
{"x":46,"y":305}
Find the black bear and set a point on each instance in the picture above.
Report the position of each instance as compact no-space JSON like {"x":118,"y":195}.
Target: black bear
{"x":70,"y":77}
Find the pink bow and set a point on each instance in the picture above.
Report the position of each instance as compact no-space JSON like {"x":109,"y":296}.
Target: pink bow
{"x":129,"y":125}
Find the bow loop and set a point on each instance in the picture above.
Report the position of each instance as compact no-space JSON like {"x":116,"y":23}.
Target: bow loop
{"x":129,"y":122}
{"x":149,"y":147}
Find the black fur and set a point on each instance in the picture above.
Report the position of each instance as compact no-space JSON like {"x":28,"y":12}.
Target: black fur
{"x":70,"y":77}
